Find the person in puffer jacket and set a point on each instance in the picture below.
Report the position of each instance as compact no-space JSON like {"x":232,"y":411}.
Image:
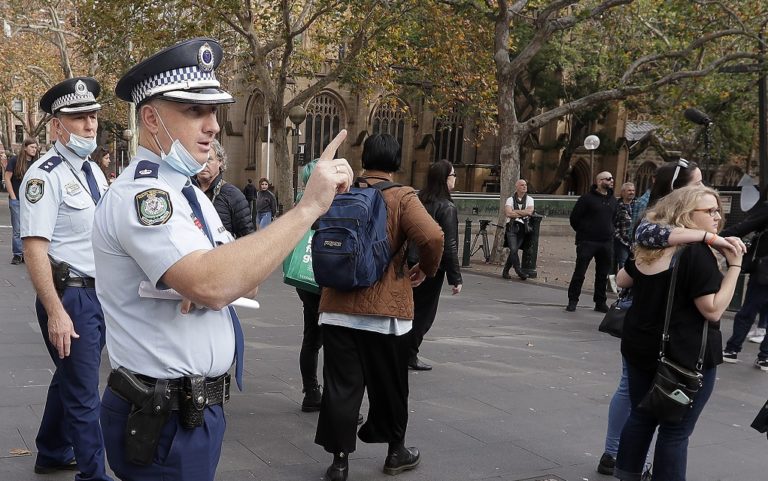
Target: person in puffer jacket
{"x":234,"y":211}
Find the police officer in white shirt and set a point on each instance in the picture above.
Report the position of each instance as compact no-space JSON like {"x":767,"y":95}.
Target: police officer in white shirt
{"x":170,"y":358}
{"x":58,"y":195}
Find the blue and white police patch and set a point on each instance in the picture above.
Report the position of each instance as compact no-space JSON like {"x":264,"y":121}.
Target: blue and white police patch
{"x":35,"y":190}
{"x":205,"y":58}
{"x":153,"y":207}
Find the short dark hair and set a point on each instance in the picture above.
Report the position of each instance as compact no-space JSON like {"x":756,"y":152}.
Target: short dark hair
{"x":381,"y":152}
{"x":250,"y":181}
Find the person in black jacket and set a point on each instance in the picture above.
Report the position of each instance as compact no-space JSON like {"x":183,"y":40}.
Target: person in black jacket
{"x":250,"y":191}
{"x":436,"y":198}
{"x":756,"y":297}
{"x":230,"y":203}
{"x":592,"y":219}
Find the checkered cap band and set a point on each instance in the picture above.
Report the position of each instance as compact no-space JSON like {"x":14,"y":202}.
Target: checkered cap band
{"x":184,"y":78}
{"x":73,"y":99}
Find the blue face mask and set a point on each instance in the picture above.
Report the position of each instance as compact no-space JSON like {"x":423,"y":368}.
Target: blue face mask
{"x":81,"y":146}
{"x":178,"y":157}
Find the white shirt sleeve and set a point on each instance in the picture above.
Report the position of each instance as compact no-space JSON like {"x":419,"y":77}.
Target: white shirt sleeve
{"x":155,"y":248}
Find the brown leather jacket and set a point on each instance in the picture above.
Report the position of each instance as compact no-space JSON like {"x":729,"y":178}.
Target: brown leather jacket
{"x":392,"y":296}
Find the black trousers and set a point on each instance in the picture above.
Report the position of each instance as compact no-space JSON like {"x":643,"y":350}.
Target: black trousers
{"x":585,"y":251}
{"x":312,"y":340}
{"x":515,"y":238}
{"x":425,"y":300}
{"x":354,"y":361}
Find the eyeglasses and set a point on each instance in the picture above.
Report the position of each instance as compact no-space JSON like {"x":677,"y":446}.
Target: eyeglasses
{"x":713,"y":212}
{"x":681,"y":163}
{"x":606,"y":178}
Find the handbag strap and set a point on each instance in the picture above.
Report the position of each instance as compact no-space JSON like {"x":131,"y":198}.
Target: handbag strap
{"x":668,"y":313}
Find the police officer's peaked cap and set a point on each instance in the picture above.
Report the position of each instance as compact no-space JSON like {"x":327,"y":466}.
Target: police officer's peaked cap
{"x":181,"y":73}
{"x":72,"y":96}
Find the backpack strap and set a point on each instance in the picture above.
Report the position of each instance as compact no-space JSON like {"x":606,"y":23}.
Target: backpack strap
{"x":380,"y":186}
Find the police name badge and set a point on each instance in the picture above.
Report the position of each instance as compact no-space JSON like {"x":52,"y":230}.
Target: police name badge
{"x":73,"y":188}
{"x":35,"y":190}
{"x":153,"y":207}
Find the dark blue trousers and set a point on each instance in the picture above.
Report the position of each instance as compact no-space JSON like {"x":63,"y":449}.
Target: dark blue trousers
{"x":70,"y":426}
{"x":181,"y":455}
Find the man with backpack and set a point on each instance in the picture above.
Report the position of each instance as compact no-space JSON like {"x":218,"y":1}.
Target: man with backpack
{"x":364,"y":327}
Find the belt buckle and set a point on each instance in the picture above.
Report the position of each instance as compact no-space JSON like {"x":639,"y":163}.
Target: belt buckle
{"x":224,"y":390}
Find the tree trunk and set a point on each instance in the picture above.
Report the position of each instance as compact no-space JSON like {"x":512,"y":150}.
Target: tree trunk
{"x":510,"y":173}
{"x":574,"y":142}
{"x":283,"y":178}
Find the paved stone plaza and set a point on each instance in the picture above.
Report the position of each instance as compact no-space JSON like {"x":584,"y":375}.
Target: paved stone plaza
{"x":519,"y":390}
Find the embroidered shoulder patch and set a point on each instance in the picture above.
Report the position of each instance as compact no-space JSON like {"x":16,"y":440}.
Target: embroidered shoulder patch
{"x":153,"y":207}
{"x":35,"y":190}
{"x":50,"y":164}
{"x":146,"y":169}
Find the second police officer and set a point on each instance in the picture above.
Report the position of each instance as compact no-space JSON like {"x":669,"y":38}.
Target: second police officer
{"x":162,"y":412}
{"x":58,"y":199}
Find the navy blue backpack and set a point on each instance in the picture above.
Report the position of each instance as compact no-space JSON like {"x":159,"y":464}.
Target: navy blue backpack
{"x":350,"y":247}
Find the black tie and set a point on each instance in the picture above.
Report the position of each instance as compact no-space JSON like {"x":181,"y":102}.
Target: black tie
{"x":189,"y":193}
{"x":92,"y":186}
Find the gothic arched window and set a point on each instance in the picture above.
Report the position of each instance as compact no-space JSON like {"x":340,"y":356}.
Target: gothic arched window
{"x":449,"y":137}
{"x":644,"y":177}
{"x":324,"y":116}
{"x":389,"y":118}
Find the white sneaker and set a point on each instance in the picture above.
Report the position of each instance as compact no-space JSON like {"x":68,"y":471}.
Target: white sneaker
{"x":612,"y":282}
{"x":758,"y":336}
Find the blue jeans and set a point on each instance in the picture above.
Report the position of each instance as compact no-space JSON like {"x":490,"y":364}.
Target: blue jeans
{"x":618,"y":412}
{"x":16,"y":244}
{"x":671,"y":453}
{"x":755,"y":301}
{"x":620,"y":252}
{"x":265,"y":218}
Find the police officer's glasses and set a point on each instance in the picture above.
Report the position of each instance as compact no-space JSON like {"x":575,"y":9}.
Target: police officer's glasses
{"x":681,"y":164}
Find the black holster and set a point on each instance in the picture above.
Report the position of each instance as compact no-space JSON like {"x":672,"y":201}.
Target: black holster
{"x":150,"y":409}
{"x":192,"y":401}
{"x":60,"y":271}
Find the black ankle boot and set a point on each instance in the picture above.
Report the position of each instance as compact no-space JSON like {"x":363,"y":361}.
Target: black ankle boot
{"x":313,"y":397}
{"x":401,"y":459}
{"x":339,"y":469}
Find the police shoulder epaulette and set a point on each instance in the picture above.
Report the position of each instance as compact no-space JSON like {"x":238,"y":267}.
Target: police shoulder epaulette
{"x":50,"y":164}
{"x":146,"y":169}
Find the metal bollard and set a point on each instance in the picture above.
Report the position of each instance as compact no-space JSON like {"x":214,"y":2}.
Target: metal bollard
{"x":530,"y":247}
{"x":467,"y":242}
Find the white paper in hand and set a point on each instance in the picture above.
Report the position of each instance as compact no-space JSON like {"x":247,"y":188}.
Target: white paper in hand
{"x":147,"y":290}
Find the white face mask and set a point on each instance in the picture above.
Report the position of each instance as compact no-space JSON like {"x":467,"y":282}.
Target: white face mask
{"x":82,"y":146}
{"x":178,"y":157}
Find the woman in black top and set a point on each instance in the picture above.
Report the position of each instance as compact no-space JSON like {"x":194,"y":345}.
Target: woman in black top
{"x":436,"y":197}
{"x":14,"y":174}
{"x":701,"y":295}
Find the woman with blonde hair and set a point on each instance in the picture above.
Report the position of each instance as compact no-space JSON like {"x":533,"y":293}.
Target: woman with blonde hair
{"x":701,"y":294}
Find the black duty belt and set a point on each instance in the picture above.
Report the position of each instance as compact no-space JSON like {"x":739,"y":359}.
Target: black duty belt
{"x":216,"y":389}
{"x":88,"y":282}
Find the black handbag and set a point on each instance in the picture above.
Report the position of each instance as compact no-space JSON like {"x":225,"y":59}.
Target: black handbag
{"x":674,"y":386}
{"x":613,"y":322}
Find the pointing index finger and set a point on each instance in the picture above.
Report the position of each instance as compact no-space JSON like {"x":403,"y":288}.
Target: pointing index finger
{"x":329,"y":151}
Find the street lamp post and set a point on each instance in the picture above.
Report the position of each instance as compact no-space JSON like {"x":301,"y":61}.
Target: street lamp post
{"x":297,"y":114}
{"x":591,"y":143}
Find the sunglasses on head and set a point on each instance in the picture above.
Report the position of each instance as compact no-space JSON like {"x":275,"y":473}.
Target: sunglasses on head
{"x":681,"y":164}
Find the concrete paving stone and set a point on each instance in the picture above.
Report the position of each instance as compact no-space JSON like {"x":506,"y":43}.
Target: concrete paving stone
{"x":430,"y":435}
{"x":453,"y":408}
